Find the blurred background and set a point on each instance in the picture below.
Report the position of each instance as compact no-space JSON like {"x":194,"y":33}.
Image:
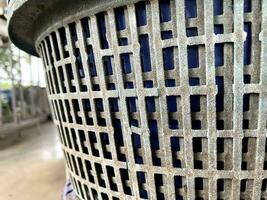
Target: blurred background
{"x":31,"y":164}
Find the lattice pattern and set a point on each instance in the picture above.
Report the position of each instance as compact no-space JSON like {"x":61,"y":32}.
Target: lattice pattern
{"x":164,"y":99}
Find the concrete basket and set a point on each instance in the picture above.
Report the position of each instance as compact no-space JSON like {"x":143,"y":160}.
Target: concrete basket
{"x":159,"y":99}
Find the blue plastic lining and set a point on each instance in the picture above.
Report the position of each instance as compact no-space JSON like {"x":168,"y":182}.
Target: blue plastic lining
{"x":126,"y":63}
{"x":166,"y":35}
{"x":142,"y":180}
{"x":219,"y":54}
{"x":91,"y":61}
{"x":140,"y":9}
{"x":165,"y":10}
{"x":101,"y":23}
{"x":85,"y":27}
{"x":120,"y":18}
{"x":136,"y":142}
{"x":218,"y":7}
{"x":192,"y":52}
{"x":247,"y":44}
{"x":145,"y":53}
{"x":168,"y":58}
{"x":107,"y":65}
{"x":190,"y":9}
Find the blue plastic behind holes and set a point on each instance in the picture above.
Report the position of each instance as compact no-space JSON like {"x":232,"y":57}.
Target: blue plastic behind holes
{"x":126,"y":63}
{"x":218,"y":7}
{"x":165,"y":10}
{"x":190,"y":9}
{"x":120,"y":18}
{"x":247,"y":44}
{"x":168,"y":58}
{"x":145,"y":53}
{"x":192,"y":52}
{"x":101,"y":22}
{"x":141,"y":13}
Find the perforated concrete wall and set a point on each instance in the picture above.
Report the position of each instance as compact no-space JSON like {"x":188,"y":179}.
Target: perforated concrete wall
{"x":163,"y":99}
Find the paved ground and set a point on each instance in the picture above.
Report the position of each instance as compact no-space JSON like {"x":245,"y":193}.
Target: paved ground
{"x":31,"y":166}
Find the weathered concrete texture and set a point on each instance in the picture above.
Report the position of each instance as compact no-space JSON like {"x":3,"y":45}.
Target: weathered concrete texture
{"x":32,"y":167}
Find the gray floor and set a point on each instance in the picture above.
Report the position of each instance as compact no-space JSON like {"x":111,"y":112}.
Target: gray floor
{"x":31,"y":166}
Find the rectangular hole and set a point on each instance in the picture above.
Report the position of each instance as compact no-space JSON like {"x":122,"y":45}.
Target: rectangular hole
{"x":111,"y":176}
{"x":119,"y":140}
{"x":89,"y":171}
{"x":170,"y":83}
{"x":85,"y":27}
{"x":218,"y":29}
{"x":137,"y":147}
{"x":107,"y":63}
{"x":248,"y":153}
{"x":73,"y":32}
{"x":55,"y":43}
{"x":190,"y":9}
{"x":247,"y":43}
{"x":80,"y":70}
{"x":250,"y":111}
{"x":102,"y":30}
{"x":99,"y":173}
{"x":67,"y":105}
{"x":120,"y":18}
{"x":224,"y":153}
{"x":198,"y":105}
{"x":165,"y":35}
{"x":56,"y":82}
{"x":201,"y":188}
{"x":125,"y":59}
{"x":150,"y":104}
{"x":93,"y":143}
{"x":80,"y":164}
{"x":224,"y":188}
{"x":180,"y":187}
{"x":218,"y":7}
{"x":247,"y":6}
{"x":62,"y":111}
{"x":159,"y":184}
{"x":100,"y":112}
{"x":141,"y":178}
{"x":76,"y":110}
{"x":74,"y":139}
{"x":125,"y":181}
{"x":172,"y":107}
{"x":194,"y":81}
{"x":177,"y":145}
{"x":165,"y":11}
{"x":219,"y":54}
{"x":154,"y":142}
{"x":191,"y":32}
{"x":145,"y":53}
{"x":132,"y":110}
{"x":246,"y":189}
{"x":87,"y":112}
{"x":105,"y":145}
{"x":63,"y":39}
{"x":148,"y":84}
{"x":70,"y":77}
{"x":83,"y":142}
{"x":200,"y":149}
{"x":140,"y":10}
{"x":168,"y":58}
{"x":114,"y":105}
{"x":192,"y":56}
{"x":62,"y":79}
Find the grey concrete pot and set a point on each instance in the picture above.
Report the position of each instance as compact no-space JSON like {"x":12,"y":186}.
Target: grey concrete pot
{"x":159,"y":99}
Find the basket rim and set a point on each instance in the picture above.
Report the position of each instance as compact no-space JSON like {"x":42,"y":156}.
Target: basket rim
{"x":28,"y":19}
